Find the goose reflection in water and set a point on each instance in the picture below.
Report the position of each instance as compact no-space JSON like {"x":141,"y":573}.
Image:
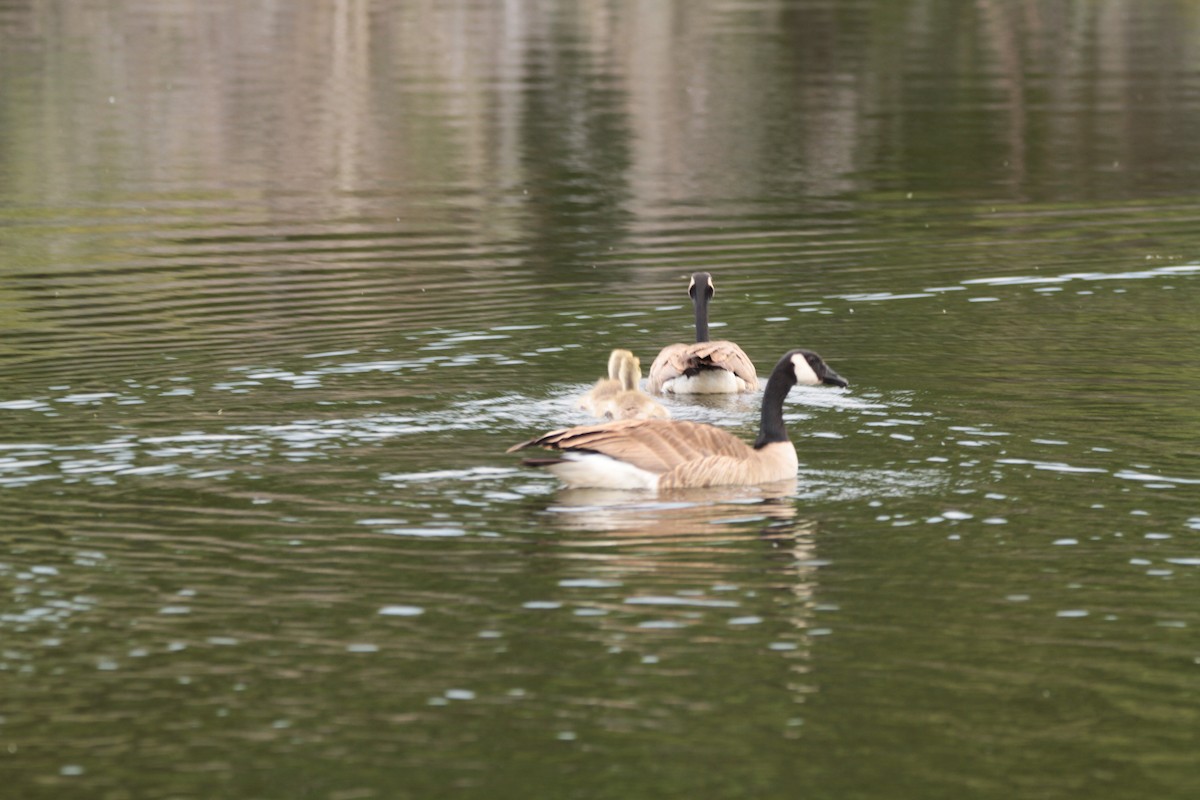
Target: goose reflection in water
{"x":683,"y":513}
{"x":735,"y":564}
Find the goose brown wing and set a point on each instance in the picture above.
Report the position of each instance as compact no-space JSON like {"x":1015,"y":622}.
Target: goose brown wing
{"x":670,"y":363}
{"x":655,"y":445}
{"x":676,"y":359}
{"x":727,"y":355}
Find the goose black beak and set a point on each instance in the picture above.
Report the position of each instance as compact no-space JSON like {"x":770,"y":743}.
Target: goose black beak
{"x":831,"y":378}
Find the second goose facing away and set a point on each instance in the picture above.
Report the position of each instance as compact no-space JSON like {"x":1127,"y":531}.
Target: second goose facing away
{"x":618,"y":395}
{"x":705,"y":367}
{"x":669,"y":454}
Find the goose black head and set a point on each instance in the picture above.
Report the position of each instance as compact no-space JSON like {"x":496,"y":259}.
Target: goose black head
{"x":810,"y":369}
{"x":701,"y":286}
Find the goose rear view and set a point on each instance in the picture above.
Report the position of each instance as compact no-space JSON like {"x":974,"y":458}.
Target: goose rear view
{"x":705,"y":367}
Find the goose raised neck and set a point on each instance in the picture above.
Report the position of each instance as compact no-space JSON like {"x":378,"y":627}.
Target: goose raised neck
{"x":790,"y":370}
{"x":701,"y":290}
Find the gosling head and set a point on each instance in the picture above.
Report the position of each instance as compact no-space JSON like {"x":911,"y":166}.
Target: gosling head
{"x":631,"y":373}
{"x":617,"y":360}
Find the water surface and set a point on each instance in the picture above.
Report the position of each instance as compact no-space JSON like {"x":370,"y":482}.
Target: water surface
{"x":281,"y":284}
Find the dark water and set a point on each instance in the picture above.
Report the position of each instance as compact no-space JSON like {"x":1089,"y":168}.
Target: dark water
{"x":280,"y":282}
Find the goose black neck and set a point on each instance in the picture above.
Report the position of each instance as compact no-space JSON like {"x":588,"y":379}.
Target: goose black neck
{"x":771,"y":428}
{"x":701,"y":304}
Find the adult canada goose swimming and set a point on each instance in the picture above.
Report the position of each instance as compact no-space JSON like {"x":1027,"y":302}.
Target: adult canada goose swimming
{"x":671,"y":454}
{"x":618,"y":395}
{"x":705,"y":367}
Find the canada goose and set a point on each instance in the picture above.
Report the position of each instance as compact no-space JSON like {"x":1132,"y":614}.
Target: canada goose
{"x":705,"y":367}
{"x":670,"y":454}
{"x":606,"y":388}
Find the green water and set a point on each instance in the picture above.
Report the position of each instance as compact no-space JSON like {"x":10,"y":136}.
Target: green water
{"x":279,"y":286}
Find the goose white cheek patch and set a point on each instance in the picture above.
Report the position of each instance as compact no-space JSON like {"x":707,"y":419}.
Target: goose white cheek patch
{"x":804,"y":371}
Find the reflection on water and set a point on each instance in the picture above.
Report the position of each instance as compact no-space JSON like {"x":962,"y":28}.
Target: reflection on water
{"x":636,"y":545}
{"x":668,"y":513}
{"x":282,"y":282}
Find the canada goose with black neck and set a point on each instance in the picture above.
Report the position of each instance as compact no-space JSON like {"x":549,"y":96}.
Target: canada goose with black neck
{"x":670,"y":454}
{"x":706,"y":367}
